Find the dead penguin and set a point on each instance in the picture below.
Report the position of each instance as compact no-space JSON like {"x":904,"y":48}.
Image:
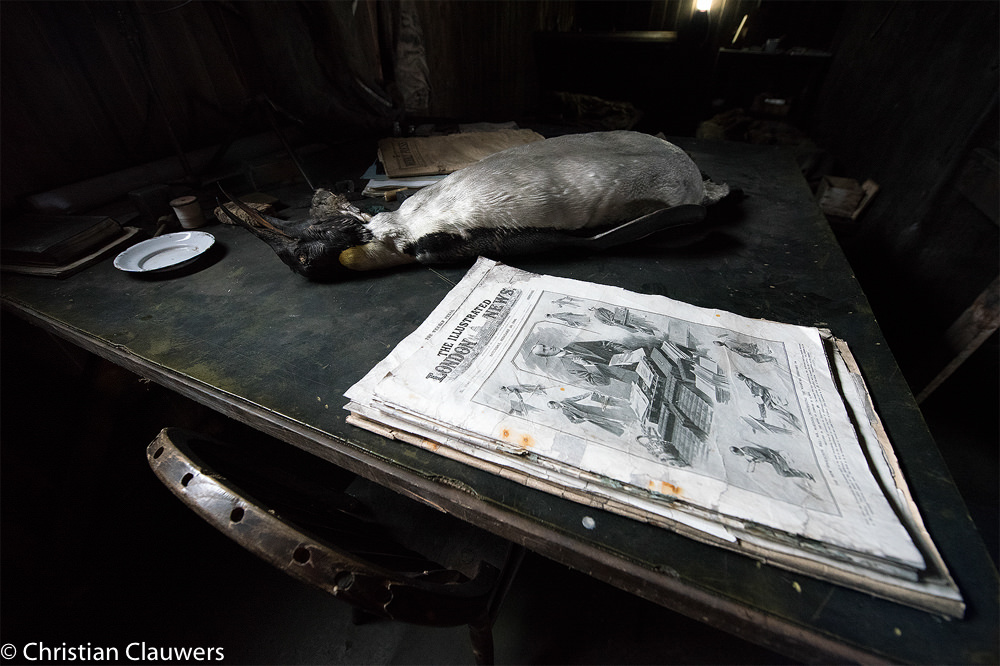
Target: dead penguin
{"x":541,"y":196}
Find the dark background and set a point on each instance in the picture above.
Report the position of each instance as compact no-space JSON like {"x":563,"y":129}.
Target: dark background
{"x":903,"y":93}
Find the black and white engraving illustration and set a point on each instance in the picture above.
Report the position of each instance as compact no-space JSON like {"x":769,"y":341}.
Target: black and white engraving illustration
{"x":687,"y":395}
{"x":763,"y":454}
{"x":516,"y":393}
{"x":604,"y":411}
{"x":570,"y":318}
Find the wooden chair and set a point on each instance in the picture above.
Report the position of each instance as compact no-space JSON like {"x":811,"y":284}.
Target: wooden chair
{"x":388,"y":556}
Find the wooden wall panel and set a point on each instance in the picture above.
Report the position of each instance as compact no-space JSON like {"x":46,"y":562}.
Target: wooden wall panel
{"x":76,"y":99}
{"x":481,"y":58}
{"x":910,"y":97}
{"x":904,"y":92}
{"x":94,"y":87}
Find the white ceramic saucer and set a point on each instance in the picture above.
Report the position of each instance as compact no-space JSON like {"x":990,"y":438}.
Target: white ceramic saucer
{"x":163,"y":252}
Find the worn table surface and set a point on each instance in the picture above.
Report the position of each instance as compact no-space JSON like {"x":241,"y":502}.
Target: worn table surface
{"x":241,"y":333}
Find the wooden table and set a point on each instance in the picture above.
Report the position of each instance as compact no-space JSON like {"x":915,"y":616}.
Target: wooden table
{"x":239,"y":332}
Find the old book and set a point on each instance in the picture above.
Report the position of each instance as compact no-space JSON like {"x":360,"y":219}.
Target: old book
{"x":55,"y":240}
{"x":750,"y":435}
{"x":127,"y":236}
{"x":437,"y":155}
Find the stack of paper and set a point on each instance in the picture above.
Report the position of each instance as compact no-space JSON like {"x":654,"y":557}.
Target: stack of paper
{"x":751,"y":435}
{"x":59,"y":245}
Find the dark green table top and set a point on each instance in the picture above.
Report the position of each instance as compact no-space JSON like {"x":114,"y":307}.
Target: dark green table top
{"x":238,"y":331}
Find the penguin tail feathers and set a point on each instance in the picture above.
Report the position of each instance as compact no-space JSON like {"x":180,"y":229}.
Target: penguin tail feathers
{"x":714,"y":192}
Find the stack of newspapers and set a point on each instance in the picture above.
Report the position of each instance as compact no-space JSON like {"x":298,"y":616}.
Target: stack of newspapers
{"x":751,"y":435}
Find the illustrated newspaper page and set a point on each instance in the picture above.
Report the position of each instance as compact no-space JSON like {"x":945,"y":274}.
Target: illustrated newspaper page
{"x":708,"y":420}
